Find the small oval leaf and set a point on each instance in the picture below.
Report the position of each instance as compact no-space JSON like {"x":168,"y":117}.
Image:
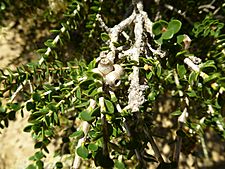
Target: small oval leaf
{"x":82,"y":151}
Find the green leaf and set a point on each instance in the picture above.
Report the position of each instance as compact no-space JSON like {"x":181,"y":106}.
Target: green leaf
{"x":38,"y":145}
{"x":159,"y":41}
{"x":104,"y":36}
{"x":180,"y":39}
{"x":36,"y":97}
{"x":176,"y":113}
{"x":30,"y":106}
{"x":82,"y":151}
{"x":159,"y":26}
{"x":58,"y":165}
{"x":192,"y":93}
{"x":220,"y":81}
{"x":159,"y":70}
{"x":193,"y":77}
{"x":119,"y":165}
{"x":86,"y":116}
{"x":168,"y":34}
{"x":174,"y":26}
{"x":95,"y":8}
{"x":14,"y":106}
{"x":31,"y":166}
{"x":55,"y":31}
{"x":83,"y":104}
{"x":212,"y":77}
{"x":40,"y":164}
{"x":38,"y":155}
{"x":2,"y":109}
{"x":78,"y":134}
{"x":92,"y":147}
{"x":181,"y":70}
{"x":49,"y":43}
{"x":209,"y":64}
{"x":109,"y":106}
{"x":56,"y":118}
{"x":48,"y":133}
{"x":104,"y":48}
{"x":152,"y":96}
{"x":27,"y":128}
{"x":78,"y":93}
{"x":12,"y":115}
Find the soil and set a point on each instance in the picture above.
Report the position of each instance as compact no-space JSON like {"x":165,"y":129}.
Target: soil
{"x":15,"y":145}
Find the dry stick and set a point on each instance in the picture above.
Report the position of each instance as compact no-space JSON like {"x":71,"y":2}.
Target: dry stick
{"x":105,"y":136}
{"x":154,"y":146}
{"x":114,"y":33}
{"x":181,"y":121}
{"x":135,"y":96}
{"x":118,"y":107}
{"x":137,"y":153}
{"x":57,"y":38}
{"x":17,"y":91}
{"x":177,"y":148}
{"x":85,"y":127}
{"x":104,"y":127}
{"x":170,"y":7}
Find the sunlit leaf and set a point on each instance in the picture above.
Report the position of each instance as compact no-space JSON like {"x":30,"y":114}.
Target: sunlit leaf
{"x":82,"y":151}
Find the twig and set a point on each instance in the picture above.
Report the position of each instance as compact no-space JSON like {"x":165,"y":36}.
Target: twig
{"x":17,"y":91}
{"x":102,"y":23}
{"x":114,"y":32}
{"x":196,"y":68}
{"x":154,"y":146}
{"x":105,"y":136}
{"x":85,"y":128}
{"x":31,"y":87}
{"x":181,"y":121}
{"x":57,"y":38}
{"x":104,"y":126}
{"x":137,"y":153}
{"x":208,"y":6}
{"x":177,"y":149}
{"x":170,"y":7}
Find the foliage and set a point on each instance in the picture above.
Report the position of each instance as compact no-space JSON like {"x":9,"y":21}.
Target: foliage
{"x":59,"y":92}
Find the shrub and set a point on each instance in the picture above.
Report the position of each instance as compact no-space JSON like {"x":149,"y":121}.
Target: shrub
{"x":106,"y":96}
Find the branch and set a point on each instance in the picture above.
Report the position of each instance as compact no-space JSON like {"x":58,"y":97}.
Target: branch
{"x":114,"y":32}
{"x":136,"y":96}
